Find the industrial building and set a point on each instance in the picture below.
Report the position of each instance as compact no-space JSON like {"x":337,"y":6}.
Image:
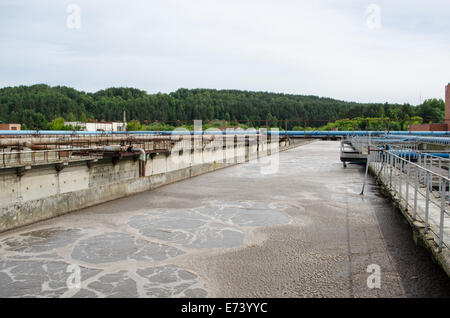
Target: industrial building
{"x":437,"y":127}
{"x":98,"y":126}
{"x":9,"y":126}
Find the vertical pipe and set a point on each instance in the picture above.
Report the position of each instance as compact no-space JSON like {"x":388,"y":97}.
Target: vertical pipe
{"x":386,"y":171}
{"x":396,"y":173}
{"x":379,"y":162}
{"x":419,"y":161}
{"x":390,"y":172}
{"x":424,"y":164}
{"x":408,"y":168}
{"x":394,"y":184}
{"x":416,"y":189}
{"x":441,"y":223}
{"x":427,"y":200}
{"x":448,"y":174}
{"x":400,"y":177}
{"x":431,"y":175}
{"x":375,"y":161}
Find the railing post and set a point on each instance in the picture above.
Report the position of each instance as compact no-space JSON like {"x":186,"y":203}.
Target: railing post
{"x":448,"y":174}
{"x":441,"y":223}
{"x":400,"y":179}
{"x":390,"y":167}
{"x":416,"y":189}
{"x":397,"y":176}
{"x":408,"y":168}
{"x":419,"y":162}
{"x":386,"y":156}
{"x":427,"y":200}
{"x":440,"y":179}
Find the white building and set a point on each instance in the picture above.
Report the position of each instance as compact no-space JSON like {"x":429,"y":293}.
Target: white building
{"x":110,"y":126}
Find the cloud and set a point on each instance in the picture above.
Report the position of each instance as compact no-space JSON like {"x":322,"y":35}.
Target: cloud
{"x":304,"y":47}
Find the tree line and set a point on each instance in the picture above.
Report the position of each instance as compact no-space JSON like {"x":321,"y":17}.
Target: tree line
{"x":43,"y":107}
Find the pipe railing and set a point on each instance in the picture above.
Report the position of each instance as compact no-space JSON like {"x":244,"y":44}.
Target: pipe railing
{"x":431,"y":161}
{"x":423,"y":200}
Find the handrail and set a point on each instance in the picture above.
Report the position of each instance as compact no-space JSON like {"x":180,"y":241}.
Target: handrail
{"x":387,"y":161}
{"x":393,"y":168}
{"x":419,"y":166}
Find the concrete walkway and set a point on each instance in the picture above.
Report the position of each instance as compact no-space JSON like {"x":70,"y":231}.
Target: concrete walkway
{"x":303,"y":231}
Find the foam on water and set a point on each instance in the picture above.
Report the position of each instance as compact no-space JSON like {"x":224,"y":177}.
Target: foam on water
{"x":133,"y":254}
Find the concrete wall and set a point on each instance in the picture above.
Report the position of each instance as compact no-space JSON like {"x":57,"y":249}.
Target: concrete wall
{"x":44,"y":192}
{"x":428,"y":127}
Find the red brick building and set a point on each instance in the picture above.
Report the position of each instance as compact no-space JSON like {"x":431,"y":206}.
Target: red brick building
{"x":428,"y":127}
{"x":447,"y":105}
{"x":437,"y":127}
{"x":9,"y":126}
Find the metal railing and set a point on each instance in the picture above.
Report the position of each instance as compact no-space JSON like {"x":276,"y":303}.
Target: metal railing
{"x":418,"y":179}
{"x":422,"y":191}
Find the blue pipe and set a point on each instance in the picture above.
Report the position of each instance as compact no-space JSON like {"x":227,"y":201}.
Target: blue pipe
{"x":441,"y":155}
{"x":432,"y":136}
{"x":415,"y":155}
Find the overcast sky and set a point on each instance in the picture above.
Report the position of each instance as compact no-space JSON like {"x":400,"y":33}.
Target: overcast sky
{"x":395,"y":51}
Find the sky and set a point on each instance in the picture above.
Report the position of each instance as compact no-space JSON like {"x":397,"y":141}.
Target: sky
{"x":395,"y":51}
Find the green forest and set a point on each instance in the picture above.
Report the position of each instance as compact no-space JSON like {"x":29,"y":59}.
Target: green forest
{"x":45,"y":107}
